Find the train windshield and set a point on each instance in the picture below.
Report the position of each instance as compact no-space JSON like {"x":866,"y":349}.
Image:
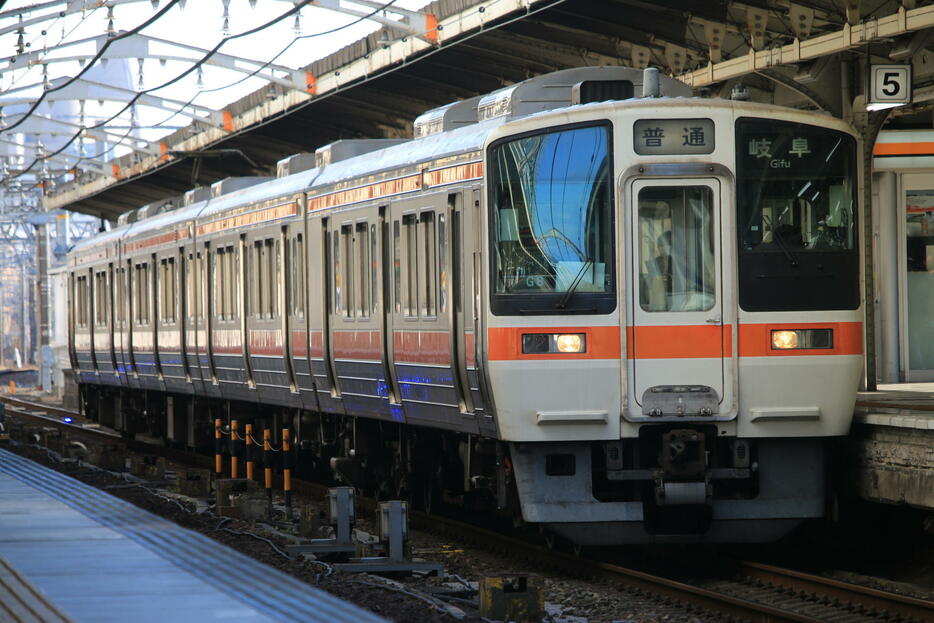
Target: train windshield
{"x":551,"y":204}
{"x":796,"y":217}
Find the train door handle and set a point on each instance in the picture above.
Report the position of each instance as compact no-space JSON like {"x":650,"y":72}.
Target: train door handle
{"x":714,"y":320}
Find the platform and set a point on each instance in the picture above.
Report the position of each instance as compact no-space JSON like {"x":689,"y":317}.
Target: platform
{"x":893,"y":434}
{"x":79,"y":554}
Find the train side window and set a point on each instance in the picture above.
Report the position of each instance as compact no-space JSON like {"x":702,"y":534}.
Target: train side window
{"x":224,"y":277}
{"x":233,"y":277}
{"x":142,"y":293}
{"x":81,"y":298}
{"x":374,"y":271}
{"x":168,"y":290}
{"x":298,"y":276}
{"x":397,"y":266}
{"x":456,"y":260}
{"x":198,"y":300}
{"x":362,"y":287}
{"x":442,"y":262}
{"x":254,"y":286}
{"x":120,"y":296}
{"x":193,"y":279}
{"x":337,"y":262}
{"x":347,"y":274}
{"x":410,"y":280}
{"x":217,"y":258}
{"x":428,"y":260}
{"x":100,"y":306}
{"x":273,"y":251}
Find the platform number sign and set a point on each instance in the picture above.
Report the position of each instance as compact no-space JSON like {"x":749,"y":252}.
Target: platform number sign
{"x":891,"y":84}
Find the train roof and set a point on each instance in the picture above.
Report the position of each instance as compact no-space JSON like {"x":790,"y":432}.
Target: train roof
{"x":462,"y":140}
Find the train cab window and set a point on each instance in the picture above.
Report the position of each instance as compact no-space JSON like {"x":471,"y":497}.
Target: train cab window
{"x":362,"y":258}
{"x":677,"y":267}
{"x":552,"y":222}
{"x":796,"y":217}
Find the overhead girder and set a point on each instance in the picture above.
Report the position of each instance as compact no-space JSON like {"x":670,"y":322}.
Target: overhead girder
{"x":142,"y":46}
{"x":674,"y":33}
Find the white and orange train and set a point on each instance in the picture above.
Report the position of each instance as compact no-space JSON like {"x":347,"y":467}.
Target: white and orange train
{"x":625,"y":319}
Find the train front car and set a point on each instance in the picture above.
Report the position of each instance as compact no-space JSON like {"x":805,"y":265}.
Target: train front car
{"x":675,"y":320}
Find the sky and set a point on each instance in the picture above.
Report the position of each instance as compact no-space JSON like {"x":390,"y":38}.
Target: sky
{"x":200,"y":23}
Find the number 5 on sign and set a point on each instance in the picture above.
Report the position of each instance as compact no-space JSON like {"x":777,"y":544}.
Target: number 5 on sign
{"x":891,"y":84}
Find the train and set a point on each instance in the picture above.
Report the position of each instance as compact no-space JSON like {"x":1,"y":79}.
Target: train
{"x":588,"y":301}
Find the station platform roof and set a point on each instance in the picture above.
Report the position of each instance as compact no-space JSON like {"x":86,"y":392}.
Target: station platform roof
{"x":784,"y":52}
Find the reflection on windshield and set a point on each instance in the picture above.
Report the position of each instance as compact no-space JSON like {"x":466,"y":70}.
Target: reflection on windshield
{"x":551,"y":212}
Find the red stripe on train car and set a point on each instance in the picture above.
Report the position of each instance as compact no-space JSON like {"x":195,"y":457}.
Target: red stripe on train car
{"x":266,"y":342}
{"x":432,"y":347}
{"x":317,"y":344}
{"x":362,"y":345}
{"x":299,"y":344}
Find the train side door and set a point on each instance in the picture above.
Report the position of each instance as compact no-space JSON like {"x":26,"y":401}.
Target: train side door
{"x":680,"y":341}
{"x":295,"y":305}
{"x":354,"y":314}
{"x":320,"y":301}
{"x":424,"y":355}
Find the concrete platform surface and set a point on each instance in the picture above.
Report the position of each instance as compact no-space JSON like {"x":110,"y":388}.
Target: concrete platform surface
{"x":89,"y":556}
{"x":905,"y":405}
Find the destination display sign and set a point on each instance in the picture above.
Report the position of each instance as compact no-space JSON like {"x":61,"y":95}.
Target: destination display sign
{"x":669,"y":137}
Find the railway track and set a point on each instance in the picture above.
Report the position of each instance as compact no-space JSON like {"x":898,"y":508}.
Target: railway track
{"x":748,"y":591}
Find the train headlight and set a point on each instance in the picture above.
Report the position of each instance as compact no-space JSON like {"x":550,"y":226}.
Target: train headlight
{"x":543,"y":343}
{"x":570,"y":343}
{"x":799,"y":339}
{"x":784,"y":339}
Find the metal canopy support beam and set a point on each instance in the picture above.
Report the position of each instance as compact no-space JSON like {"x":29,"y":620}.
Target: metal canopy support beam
{"x":849,"y":36}
{"x":82,"y":89}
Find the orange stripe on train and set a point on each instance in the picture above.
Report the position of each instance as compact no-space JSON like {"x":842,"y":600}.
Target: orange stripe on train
{"x":676,"y":341}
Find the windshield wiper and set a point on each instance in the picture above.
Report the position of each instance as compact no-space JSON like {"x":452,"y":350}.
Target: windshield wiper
{"x":792,"y":260}
{"x":573,"y":287}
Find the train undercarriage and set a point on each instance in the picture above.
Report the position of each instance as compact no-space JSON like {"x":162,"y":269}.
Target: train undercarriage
{"x":675,"y":483}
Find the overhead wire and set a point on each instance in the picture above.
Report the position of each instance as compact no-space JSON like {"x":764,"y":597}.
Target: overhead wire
{"x":140,"y":93}
{"x":90,"y":64}
{"x":192,"y":68}
{"x":405,"y":63}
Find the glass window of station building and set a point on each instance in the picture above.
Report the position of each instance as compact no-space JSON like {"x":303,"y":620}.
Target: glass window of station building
{"x":903,"y":198}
